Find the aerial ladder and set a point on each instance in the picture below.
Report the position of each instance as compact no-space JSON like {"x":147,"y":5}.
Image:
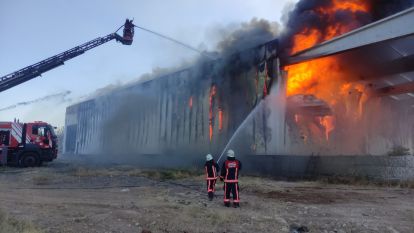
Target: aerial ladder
{"x":35,"y":70}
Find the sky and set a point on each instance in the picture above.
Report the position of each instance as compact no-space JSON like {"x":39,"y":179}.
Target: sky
{"x":34,"y":30}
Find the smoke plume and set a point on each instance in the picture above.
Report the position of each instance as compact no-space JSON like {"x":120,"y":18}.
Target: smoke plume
{"x":307,"y":14}
{"x":234,"y":39}
{"x":249,"y":35}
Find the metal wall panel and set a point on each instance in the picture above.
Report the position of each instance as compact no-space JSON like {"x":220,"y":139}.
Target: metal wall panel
{"x":156,"y":116}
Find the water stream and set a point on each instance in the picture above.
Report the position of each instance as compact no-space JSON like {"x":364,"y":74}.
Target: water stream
{"x":275,"y":102}
{"x":251,"y":114}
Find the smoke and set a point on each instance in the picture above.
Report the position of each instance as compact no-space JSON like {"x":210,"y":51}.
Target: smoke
{"x":248,"y":35}
{"x":234,"y":38}
{"x":59,"y":96}
{"x":307,"y":14}
{"x":384,"y":8}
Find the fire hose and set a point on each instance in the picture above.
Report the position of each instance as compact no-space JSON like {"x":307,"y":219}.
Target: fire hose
{"x":172,"y":40}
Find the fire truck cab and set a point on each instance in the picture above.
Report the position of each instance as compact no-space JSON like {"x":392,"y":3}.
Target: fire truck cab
{"x":27,"y":144}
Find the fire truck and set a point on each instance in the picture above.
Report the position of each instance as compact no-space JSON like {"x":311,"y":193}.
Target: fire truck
{"x":27,"y":144}
{"x":30,"y":144}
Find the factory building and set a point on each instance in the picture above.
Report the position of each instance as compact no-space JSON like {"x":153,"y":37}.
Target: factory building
{"x":354,"y":115}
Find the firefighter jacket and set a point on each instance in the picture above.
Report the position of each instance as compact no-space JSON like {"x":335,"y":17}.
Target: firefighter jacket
{"x":230,"y":170}
{"x":211,"y":168}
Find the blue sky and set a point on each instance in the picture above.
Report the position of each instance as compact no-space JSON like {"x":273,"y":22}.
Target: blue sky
{"x":34,"y":30}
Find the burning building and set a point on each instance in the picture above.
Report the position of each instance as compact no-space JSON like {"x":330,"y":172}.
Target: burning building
{"x":334,"y":83}
{"x":191,"y":111}
{"x":363,"y":117}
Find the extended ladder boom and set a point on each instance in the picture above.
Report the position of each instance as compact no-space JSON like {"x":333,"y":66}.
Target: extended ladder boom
{"x":39,"y":68}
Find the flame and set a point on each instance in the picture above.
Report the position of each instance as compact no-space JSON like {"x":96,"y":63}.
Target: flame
{"x":350,"y":5}
{"x":311,"y":77}
{"x":306,"y":39}
{"x":324,"y":78}
{"x":211,"y":118}
{"x":328,"y":123}
{"x":190,"y":102}
{"x":220,"y":119}
{"x":357,"y":96}
{"x":321,"y":78}
{"x":210,"y":127}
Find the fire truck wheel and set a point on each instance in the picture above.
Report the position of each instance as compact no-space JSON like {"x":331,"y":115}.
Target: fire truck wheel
{"x":29,"y":160}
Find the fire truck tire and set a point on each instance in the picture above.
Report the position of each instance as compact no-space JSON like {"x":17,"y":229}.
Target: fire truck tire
{"x":30,"y":159}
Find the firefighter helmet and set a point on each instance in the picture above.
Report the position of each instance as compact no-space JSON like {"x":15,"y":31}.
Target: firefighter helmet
{"x":230,"y":153}
{"x":209,"y":157}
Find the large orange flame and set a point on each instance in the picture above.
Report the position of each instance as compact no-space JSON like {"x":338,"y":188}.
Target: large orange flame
{"x":303,"y":78}
{"x":324,"y":77}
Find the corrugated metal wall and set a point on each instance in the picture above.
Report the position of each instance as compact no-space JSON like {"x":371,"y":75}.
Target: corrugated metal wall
{"x":195,"y":110}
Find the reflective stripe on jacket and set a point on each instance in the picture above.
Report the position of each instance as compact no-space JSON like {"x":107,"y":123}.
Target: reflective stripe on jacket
{"x":211,"y":169}
{"x":230,"y":170}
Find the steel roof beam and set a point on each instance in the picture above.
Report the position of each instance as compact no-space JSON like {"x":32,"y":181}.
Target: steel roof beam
{"x":397,"y":66}
{"x":396,"y":90}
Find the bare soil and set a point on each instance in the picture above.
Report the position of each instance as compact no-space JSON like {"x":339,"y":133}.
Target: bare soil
{"x":65,"y":196}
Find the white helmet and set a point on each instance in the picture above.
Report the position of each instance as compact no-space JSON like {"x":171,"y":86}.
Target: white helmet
{"x":209,"y":157}
{"x":230,"y":153}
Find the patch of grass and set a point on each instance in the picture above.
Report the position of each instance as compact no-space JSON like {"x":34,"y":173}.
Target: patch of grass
{"x":351,"y":180}
{"x":12,"y":225}
{"x":406,"y":184}
{"x":135,"y":172}
{"x":42,"y":180}
{"x":220,"y":217}
{"x":398,"y":151}
{"x":258,"y":184}
{"x":91,"y":172}
{"x":364,"y":181}
{"x":158,"y":174}
{"x":170,"y":174}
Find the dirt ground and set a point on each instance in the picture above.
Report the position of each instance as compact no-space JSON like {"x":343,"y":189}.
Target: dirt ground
{"x":64,"y":196}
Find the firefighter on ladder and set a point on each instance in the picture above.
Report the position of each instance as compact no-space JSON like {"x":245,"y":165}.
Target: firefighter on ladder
{"x":230,"y":174}
{"x":211,"y":168}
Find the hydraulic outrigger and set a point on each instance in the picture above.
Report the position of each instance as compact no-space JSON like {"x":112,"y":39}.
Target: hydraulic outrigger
{"x":35,"y":70}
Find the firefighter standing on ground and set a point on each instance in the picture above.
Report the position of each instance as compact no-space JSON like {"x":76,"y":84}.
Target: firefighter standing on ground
{"x":211,"y":168}
{"x":230,"y":174}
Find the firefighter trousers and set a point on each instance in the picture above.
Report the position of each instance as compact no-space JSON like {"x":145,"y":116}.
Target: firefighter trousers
{"x":211,"y":187}
{"x":231,"y":188}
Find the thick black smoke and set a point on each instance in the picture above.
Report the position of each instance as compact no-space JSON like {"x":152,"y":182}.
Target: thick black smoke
{"x":305,"y":15}
{"x":384,"y":8}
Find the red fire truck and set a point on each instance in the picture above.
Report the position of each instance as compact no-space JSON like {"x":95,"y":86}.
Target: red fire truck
{"x":27,"y":144}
